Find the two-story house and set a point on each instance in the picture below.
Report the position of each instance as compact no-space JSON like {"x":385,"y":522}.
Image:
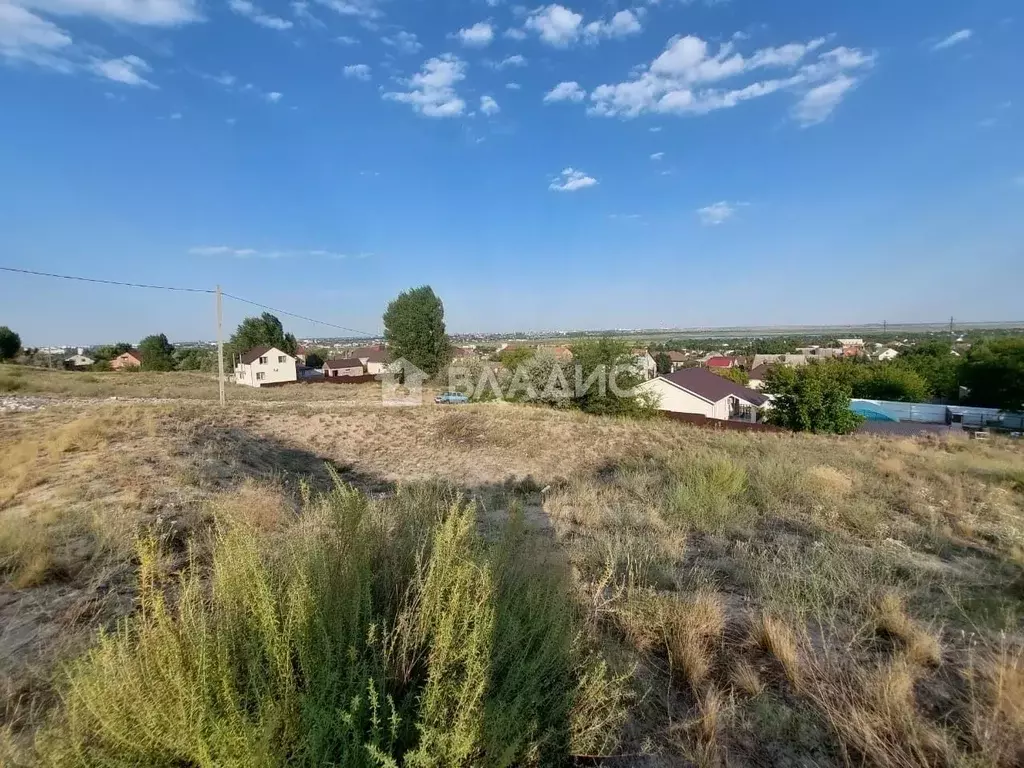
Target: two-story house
{"x":265,"y":365}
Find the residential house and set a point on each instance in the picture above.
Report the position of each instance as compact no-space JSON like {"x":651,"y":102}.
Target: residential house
{"x":886,"y":354}
{"x":820,"y":353}
{"x":561,"y":353}
{"x":78,"y":360}
{"x":757,"y":374}
{"x":374,"y":359}
{"x":130,"y":359}
{"x":699,"y":391}
{"x":676,"y":360}
{"x":787,"y":359}
{"x":723,"y":361}
{"x":349,"y":366}
{"x":851,"y":347}
{"x":265,"y":365}
{"x":645,"y":364}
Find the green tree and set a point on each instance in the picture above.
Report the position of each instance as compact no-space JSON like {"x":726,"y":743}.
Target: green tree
{"x":663,"y":363}
{"x":108,"y":352}
{"x":157,"y":353}
{"x":263,"y":331}
{"x":937,"y":365}
{"x":610,"y":365}
{"x":10,"y":343}
{"x":890,"y":381}
{"x":737,"y":375}
{"x":414,"y":329}
{"x":514,"y":357}
{"x":994,"y":374}
{"x":316,"y":358}
{"x":194,"y":359}
{"x":811,"y":398}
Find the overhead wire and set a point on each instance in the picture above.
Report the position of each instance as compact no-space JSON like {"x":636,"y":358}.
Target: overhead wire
{"x":186,"y":290}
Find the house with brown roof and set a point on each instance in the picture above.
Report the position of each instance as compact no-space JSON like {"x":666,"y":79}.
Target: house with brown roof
{"x":264,"y":365}
{"x":699,"y":391}
{"x":374,"y":358}
{"x":755,"y":379}
{"x":348,"y":366}
{"x":676,"y":359}
{"x":130,"y":359}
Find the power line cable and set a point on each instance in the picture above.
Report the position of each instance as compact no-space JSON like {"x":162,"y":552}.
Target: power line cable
{"x":107,"y":282}
{"x":183,"y":289}
{"x":292,"y":314}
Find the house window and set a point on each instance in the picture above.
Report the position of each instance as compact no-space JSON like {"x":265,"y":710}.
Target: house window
{"x":260,"y":376}
{"x":263,"y":361}
{"x":280,"y":358}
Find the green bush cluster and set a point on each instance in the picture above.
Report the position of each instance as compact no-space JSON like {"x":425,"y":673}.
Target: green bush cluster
{"x":367,"y":634}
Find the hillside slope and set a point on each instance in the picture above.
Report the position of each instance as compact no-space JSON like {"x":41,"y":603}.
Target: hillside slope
{"x":764,"y":598}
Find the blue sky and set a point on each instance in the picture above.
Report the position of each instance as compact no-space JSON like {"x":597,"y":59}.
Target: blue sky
{"x":590,"y":164}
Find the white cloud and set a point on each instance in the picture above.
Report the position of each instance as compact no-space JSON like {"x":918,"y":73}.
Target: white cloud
{"x":555,"y":24}
{"x":175,"y":116}
{"x":571,"y":180}
{"x":301,"y":10}
{"x":161,"y":13}
{"x":657,"y":155}
{"x":225,"y":79}
{"x":515,"y":60}
{"x":513,"y":86}
{"x":253,"y":253}
{"x":347,"y":40}
{"x":819,"y":102}
{"x":478,"y":36}
{"x":515,"y":34}
{"x":358,"y":71}
{"x":489,"y":106}
{"x":567,"y":91}
{"x":273,"y":97}
{"x":681,"y":80}
{"x":622,"y":24}
{"x":432,"y":90}
{"x":249,"y":10}
{"x":716,"y":213}
{"x":957,"y":37}
{"x":367,"y":9}
{"x":27,"y":37}
{"x":404,"y":42}
{"x":127,"y":69}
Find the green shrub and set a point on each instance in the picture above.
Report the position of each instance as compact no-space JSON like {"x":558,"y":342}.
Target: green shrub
{"x":369,"y":634}
{"x":706,"y":492}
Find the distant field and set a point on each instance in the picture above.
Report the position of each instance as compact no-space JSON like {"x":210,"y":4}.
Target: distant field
{"x":809,"y":331}
{"x":686,"y":596}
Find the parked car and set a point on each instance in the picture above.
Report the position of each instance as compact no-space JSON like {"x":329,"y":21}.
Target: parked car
{"x":451,"y":398}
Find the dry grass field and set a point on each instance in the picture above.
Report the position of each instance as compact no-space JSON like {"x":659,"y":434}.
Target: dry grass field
{"x":177,"y":385}
{"x":707,"y":598}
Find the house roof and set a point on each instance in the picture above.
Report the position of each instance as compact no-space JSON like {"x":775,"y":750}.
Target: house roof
{"x":711,"y":386}
{"x":376,"y":356}
{"x":758,"y":372}
{"x":254,"y":354}
{"x":720,"y":361}
{"x":132,"y":353}
{"x":676,"y":357}
{"x":347,"y":362}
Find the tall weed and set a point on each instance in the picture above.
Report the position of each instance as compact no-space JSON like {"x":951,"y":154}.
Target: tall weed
{"x":367,"y":634}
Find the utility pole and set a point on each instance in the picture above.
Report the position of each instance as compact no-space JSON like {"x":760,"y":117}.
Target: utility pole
{"x":220,"y":345}
{"x":885,"y":326}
